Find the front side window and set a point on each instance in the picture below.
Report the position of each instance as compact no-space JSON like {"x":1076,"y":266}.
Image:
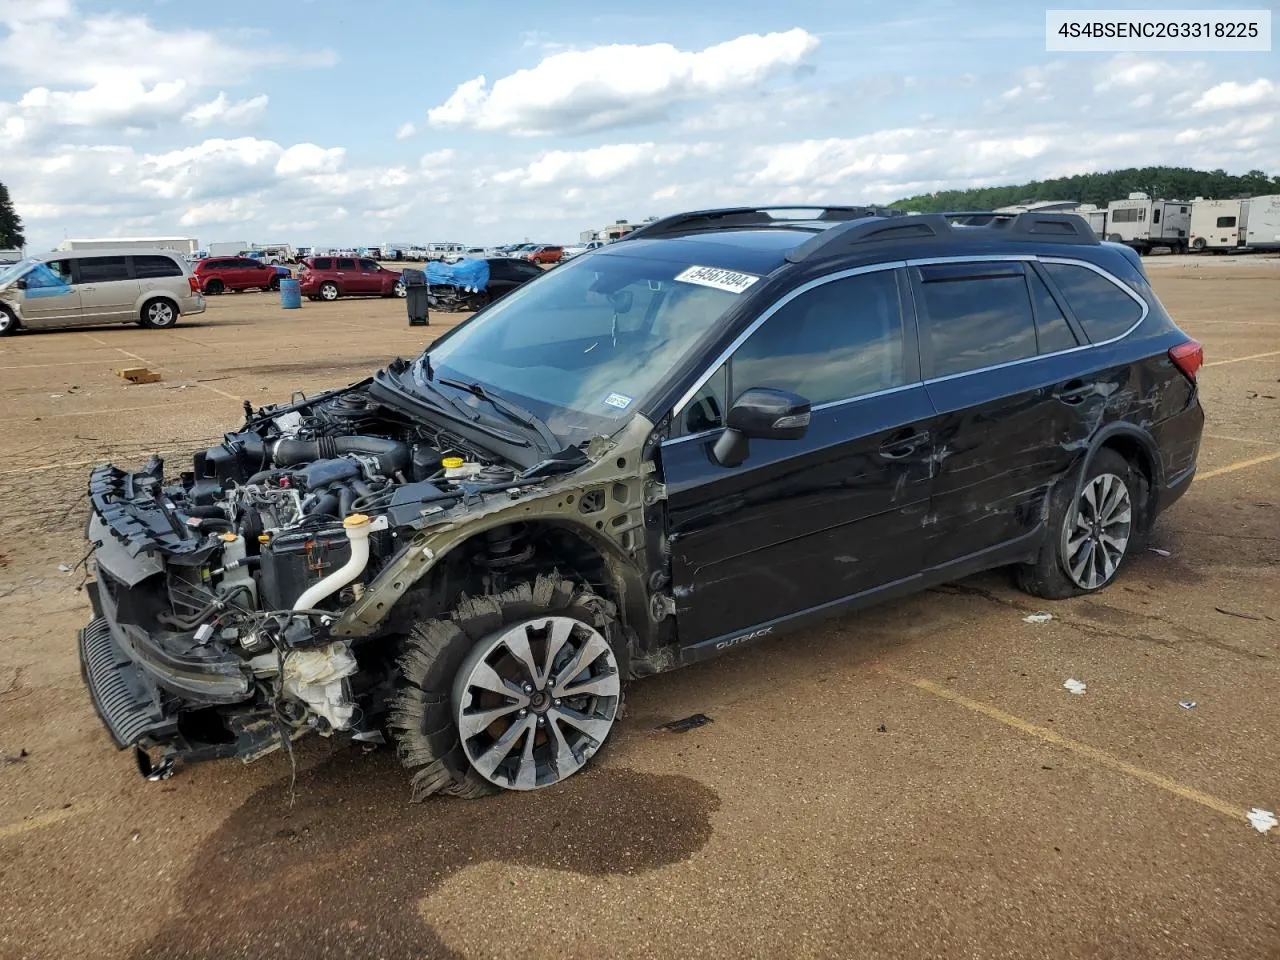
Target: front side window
{"x":103,"y":269}
{"x":977,"y":316}
{"x":48,"y":279}
{"x":346,"y":263}
{"x":368,"y":266}
{"x":1104,"y":310}
{"x":840,"y":340}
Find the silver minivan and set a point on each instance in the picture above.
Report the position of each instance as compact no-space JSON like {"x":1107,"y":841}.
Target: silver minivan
{"x":78,"y":288}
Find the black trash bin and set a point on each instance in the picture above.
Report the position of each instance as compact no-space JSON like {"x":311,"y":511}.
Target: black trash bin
{"x":415,"y":296}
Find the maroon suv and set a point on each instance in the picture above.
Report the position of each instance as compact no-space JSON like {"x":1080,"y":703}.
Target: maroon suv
{"x":328,"y":278}
{"x":217,"y":274}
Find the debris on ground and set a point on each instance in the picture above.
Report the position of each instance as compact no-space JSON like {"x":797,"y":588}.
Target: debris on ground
{"x":63,"y":568}
{"x":1262,"y":820}
{"x":1159,"y":552}
{"x":1075,"y":686}
{"x":1187,"y":704}
{"x":1237,"y":613}
{"x":1037,"y":618}
{"x":882,"y":729}
{"x":139,"y":375}
{"x":6,"y":759}
{"x":687,"y":724}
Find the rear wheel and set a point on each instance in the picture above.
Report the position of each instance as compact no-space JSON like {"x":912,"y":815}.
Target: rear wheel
{"x":8,"y":322}
{"x":159,"y":314}
{"x":329,"y":291}
{"x":214,"y":287}
{"x":514,"y":691}
{"x":274,"y":285}
{"x":1198,"y":244}
{"x":1091,"y":531}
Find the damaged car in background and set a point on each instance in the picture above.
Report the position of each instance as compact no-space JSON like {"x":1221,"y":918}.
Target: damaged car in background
{"x":723,"y":427}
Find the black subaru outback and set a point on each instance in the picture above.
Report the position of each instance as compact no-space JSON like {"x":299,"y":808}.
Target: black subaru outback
{"x":716,"y":430}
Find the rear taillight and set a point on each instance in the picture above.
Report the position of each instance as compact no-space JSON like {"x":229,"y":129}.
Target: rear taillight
{"x":194,"y":281}
{"x":1188,"y":357}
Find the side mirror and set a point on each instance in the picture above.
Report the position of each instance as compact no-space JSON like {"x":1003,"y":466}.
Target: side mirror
{"x":21,"y":283}
{"x":765,"y":415}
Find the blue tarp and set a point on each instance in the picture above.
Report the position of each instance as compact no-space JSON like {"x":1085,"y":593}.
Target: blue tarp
{"x":43,"y":282}
{"x":467,"y":274}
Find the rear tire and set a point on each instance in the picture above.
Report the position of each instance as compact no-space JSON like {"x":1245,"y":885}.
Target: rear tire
{"x":214,"y":287}
{"x":8,"y":322}
{"x":1092,"y":530}
{"x":274,"y":285}
{"x":159,"y":314}
{"x":329,"y":291}
{"x":441,"y":656}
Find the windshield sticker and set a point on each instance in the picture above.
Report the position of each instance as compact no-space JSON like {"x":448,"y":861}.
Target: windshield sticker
{"x":619,"y":400}
{"x":718,"y":279}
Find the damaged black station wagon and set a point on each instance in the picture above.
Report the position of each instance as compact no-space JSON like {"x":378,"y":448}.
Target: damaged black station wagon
{"x":716,"y":430}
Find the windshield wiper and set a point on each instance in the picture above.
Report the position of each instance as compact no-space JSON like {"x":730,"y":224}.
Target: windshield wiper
{"x":513,"y":412}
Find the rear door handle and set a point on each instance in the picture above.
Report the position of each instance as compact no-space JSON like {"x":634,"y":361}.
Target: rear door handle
{"x":900,"y":446}
{"x":1074,"y":391}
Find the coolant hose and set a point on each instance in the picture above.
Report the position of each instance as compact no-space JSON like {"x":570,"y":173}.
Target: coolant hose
{"x":392,"y":455}
{"x":358,"y":528}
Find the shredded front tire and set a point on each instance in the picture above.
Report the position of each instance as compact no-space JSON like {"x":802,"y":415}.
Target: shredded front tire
{"x":424,"y":716}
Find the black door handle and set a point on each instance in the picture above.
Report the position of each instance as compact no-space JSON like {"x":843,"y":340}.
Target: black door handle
{"x":900,"y":447}
{"x":1074,"y":391}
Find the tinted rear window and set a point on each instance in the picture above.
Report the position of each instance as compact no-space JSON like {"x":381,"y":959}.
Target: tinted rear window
{"x":322,"y":263}
{"x":977,"y":320}
{"x":1052,"y":330}
{"x":346,"y":264}
{"x":1103,"y":308}
{"x":103,"y":269}
{"x":145,"y":268}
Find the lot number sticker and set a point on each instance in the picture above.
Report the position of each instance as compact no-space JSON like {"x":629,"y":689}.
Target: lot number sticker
{"x":718,"y":279}
{"x":619,"y":400}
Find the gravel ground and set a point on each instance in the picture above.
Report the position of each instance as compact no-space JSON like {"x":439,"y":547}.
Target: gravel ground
{"x":912,"y":781}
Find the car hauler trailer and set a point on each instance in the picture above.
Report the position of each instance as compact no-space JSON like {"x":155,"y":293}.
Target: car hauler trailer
{"x":1218,"y":225}
{"x":1145,"y":224}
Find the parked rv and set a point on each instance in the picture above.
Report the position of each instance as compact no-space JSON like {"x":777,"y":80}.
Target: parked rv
{"x":1262,"y":229}
{"x":179,"y":245}
{"x":1218,"y":225}
{"x":228,"y":248}
{"x":1144,"y":224}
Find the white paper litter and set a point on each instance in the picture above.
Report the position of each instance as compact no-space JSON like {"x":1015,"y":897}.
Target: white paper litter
{"x":1075,"y":686}
{"x":63,"y":568}
{"x":1038,"y":618}
{"x":1262,"y":820}
{"x":1158,"y":552}
{"x":1187,"y":704}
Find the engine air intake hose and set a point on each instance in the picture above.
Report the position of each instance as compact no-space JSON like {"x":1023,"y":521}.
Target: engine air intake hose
{"x":392,"y":455}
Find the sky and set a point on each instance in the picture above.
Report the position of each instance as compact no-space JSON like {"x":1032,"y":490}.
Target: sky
{"x":330,"y":122}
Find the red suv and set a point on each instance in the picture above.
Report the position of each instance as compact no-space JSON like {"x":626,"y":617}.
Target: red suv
{"x":216,"y":274}
{"x":328,"y":278}
{"x":545,"y":255}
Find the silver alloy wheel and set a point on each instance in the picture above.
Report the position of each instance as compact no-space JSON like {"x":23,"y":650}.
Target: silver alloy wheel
{"x":328,"y":291}
{"x":1096,"y":534}
{"x":535,"y":701}
{"x":401,"y":290}
{"x":6,"y":321}
{"x":160,"y":313}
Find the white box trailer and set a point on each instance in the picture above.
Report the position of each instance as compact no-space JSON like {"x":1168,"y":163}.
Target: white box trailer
{"x":1217,"y":225}
{"x":228,"y":248}
{"x":181,"y":245}
{"x":1144,"y":224}
{"x":1262,"y":223}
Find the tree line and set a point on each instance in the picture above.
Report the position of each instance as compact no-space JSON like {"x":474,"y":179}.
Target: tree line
{"x":11,"y":235}
{"x":1170,"y":183}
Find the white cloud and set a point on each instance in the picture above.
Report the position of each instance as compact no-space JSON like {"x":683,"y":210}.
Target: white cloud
{"x":307,"y":158}
{"x":617,"y":85}
{"x":222,"y":110}
{"x":28,"y":11}
{"x":118,"y":100}
{"x":406,"y":131}
{"x":598,"y":163}
{"x":1231,"y":95}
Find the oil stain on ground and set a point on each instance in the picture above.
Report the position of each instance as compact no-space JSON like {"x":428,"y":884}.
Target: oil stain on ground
{"x":341,"y":872}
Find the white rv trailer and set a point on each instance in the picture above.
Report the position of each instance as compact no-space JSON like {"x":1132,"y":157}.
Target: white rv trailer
{"x":180,"y":245}
{"x":1262,"y":226}
{"x":1144,"y":224}
{"x":1097,"y":219}
{"x":1218,"y":225}
{"x":228,"y":248}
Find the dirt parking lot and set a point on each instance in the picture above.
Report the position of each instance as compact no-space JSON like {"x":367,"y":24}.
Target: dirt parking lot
{"x":909,"y":782}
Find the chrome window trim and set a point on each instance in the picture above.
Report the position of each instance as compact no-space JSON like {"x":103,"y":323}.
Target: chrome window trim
{"x":894,"y":265}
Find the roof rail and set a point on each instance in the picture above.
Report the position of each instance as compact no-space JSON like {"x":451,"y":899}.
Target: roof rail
{"x":731,"y":218}
{"x":962,"y":226}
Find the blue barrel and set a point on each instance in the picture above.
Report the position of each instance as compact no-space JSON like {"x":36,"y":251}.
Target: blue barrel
{"x":290,"y":294}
